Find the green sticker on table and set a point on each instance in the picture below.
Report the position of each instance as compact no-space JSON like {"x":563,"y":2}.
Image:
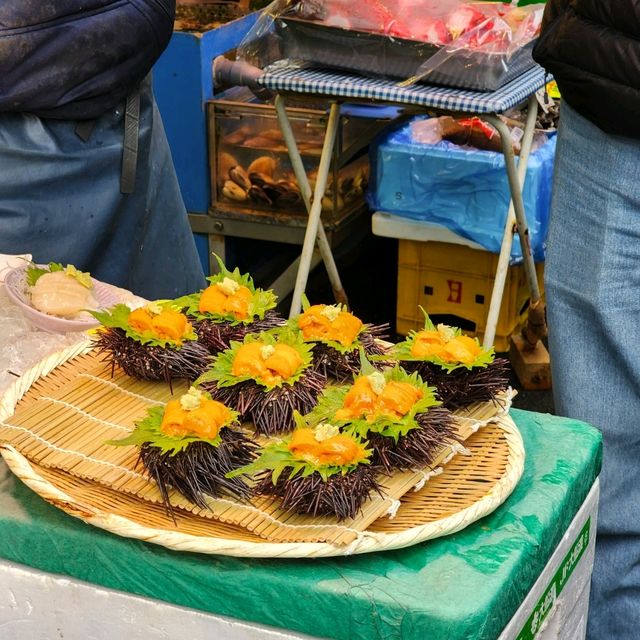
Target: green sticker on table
{"x":557,"y":584}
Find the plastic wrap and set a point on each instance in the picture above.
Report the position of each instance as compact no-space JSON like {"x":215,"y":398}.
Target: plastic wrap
{"x":475,"y":45}
{"x":461,"y":188}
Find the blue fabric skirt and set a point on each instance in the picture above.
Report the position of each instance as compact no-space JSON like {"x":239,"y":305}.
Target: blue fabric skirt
{"x":60,"y":200}
{"x":592,"y":278}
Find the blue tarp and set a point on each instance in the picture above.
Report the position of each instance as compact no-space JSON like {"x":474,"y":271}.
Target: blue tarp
{"x":463,"y":189}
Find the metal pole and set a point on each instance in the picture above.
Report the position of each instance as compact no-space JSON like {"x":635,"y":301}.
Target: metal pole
{"x":305,"y":190}
{"x":315,"y":210}
{"x":515,"y":216}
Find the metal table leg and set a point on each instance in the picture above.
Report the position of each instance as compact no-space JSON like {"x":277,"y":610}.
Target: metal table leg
{"x":515,"y":217}
{"x":315,"y":230}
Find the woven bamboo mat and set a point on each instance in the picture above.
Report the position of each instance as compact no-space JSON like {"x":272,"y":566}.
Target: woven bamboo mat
{"x":430,"y":512}
{"x":63,"y":419}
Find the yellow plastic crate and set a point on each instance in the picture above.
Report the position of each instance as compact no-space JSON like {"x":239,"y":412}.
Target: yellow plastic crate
{"x":454,"y":284}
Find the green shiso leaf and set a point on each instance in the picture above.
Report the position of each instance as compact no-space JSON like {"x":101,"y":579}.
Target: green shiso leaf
{"x":117,"y":317}
{"x":366,"y":368}
{"x":333,"y":398}
{"x":277,"y":458}
{"x":148,"y":431}
{"x":261,"y":300}
{"x":220,"y":370}
{"x":428,"y":323}
{"x":33,"y":272}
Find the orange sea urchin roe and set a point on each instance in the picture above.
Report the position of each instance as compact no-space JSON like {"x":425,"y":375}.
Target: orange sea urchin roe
{"x":216,"y":299}
{"x":271,"y":365}
{"x":171,"y":325}
{"x":172,"y":418}
{"x":206,"y":421}
{"x":427,"y":343}
{"x":316,"y":324}
{"x":394,"y":401}
{"x":248,"y":360}
{"x":168,"y":325}
{"x":203,"y":422}
{"x":140,"y":320}
{"x":460,"y":348}
{"x":360,"y":400}
{"x":397,"y":398}
{"x":304,"y":445}
{"x":346,"y":327}
{"x":340,"y":449}
{"x":284,"y":361}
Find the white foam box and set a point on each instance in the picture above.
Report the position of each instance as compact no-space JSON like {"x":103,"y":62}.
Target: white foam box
{"x":556,"y":608}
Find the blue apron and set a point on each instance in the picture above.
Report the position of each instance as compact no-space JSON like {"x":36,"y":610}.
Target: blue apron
{"x":60,"y":200}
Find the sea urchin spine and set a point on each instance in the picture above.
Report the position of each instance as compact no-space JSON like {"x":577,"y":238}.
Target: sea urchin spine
{"x":147,"y":362}
{"x":270,"y":411}
{"x":217,"y":336}
{"x":462,"y":386}
{"x":341,"y":496}
{"x":200,"y":469}
{"x":419,"y":447}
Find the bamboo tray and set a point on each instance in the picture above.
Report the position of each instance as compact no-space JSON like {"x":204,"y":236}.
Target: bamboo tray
{"x":458,"y":491}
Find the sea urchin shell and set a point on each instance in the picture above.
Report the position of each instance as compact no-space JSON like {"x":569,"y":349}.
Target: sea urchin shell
{"x":200,"y":469}
{"x":344,"y":366}
{"x":148,"y":362}
{"x":418,"y":447}
{"x":270,"y":411}
{"x":340,"y":495}
{"x":217,"y":336}
{"x":463,"y":386}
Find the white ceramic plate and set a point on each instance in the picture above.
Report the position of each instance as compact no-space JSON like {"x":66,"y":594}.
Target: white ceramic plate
{"x":17,"y":290}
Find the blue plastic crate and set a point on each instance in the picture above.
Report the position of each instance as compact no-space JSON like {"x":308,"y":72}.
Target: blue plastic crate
{"x":465,"y":190}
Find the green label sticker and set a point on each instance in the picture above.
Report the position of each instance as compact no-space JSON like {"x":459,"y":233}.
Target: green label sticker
{"x":556,"y":585}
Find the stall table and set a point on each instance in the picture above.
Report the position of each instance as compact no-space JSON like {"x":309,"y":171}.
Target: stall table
{"x":523,"y":569}
{"x":62,"y":578}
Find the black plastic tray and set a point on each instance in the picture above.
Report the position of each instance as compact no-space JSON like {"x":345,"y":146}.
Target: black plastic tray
{"x":378,"y":54}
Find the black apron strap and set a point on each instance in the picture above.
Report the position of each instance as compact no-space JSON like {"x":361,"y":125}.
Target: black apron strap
{"x":130,"y":144}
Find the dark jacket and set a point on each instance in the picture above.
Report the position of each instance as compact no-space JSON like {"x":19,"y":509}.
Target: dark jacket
{"x":75,"y":59}
{"x":592,"y":48}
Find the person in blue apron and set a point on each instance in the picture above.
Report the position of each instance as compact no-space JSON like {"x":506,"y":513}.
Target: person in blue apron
{"x":86,"y":172}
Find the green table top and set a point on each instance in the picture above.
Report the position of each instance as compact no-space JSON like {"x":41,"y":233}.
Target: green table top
{"x":467,"y":585}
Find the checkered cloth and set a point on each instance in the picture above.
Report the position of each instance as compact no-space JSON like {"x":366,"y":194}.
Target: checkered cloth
{"x":292,"y":78}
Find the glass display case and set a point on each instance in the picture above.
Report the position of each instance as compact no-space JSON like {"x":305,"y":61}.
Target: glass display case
{"x":250,"y":166}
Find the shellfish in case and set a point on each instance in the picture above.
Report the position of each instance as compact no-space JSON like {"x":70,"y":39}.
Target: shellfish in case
{"x":250,"y":167}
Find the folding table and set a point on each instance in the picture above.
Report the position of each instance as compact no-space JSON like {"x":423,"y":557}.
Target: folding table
{"x":289,"y":78}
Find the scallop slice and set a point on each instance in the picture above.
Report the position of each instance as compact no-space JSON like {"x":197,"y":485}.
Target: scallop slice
{"x":59,"y":294}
